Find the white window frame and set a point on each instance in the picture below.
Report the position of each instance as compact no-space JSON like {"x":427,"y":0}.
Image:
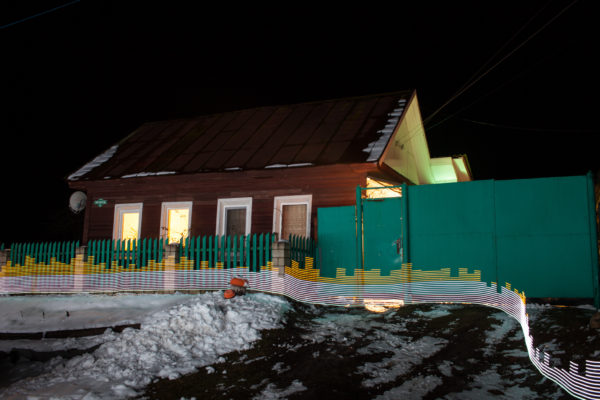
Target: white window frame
{"x":233,"y":203}
{"x":121,"y":209}
{"x":164,"y":216}
{"x":280,"y":201}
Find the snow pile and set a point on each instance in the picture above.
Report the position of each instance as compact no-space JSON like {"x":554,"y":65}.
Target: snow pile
{"x":169,"y":344}
{"x":64,"y":312}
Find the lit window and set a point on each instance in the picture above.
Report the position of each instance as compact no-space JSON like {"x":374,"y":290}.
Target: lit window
{"x":234,"y":216}
{"x":176,"y":220}
{"x":127,"y":221}
{"x":381,"y":192}
{"x":291,"y":215}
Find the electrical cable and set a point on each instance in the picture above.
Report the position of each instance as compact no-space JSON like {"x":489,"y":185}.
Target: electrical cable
{"x":520,"y":128}
{"x":39,"y":14}
{"x":474,"y":81}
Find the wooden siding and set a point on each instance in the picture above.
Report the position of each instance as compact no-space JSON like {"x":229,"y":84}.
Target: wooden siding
{"x":332,"y":185}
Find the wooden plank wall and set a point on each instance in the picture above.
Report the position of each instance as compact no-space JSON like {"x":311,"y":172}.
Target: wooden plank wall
{"x":330,"y":186}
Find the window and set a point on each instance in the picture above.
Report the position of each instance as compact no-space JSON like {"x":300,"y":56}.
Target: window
{"x":234,"y":216}
{"x":175,"y":221}
{"x":127,"y":221}
{"x":291,"y":215}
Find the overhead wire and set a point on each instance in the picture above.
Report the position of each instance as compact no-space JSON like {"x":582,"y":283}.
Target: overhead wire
{"x":472,"y":81}
{"x":522,"y":128}
{"x":39,"y":14}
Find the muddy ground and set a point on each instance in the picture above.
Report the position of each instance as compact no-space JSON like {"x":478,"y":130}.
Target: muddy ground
{"x":414,"y":352}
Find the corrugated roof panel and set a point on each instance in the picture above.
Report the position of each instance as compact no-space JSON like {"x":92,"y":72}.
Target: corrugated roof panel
{"x":239,"y":158}
{"x":172,"y":148}
{"x":269,"y":127}
{"x":241,"y":118}
{"x":333,"y":152}
{"x":310,"y":123}
{"x":284,"y":155}
{"x":219,"y":139}
{"x":332,"y":131}
{"x":263,"y":155}
{"x":133,"y":150}
{"x":218,"y":158}
{"x":159,"y":149}
{"x":202,"y":134}
{"x":355,"y":119}
{"x":197,"y":163}
{"x":331,"y":123}
{"x":309,"y":153}
{"x":247,"y":130}
{"x":178,"y":163}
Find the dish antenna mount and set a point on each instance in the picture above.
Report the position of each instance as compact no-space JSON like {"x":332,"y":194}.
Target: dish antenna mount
{"x":77,"y":202}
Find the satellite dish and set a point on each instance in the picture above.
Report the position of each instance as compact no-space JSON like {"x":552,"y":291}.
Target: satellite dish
{"x":77,"y":202}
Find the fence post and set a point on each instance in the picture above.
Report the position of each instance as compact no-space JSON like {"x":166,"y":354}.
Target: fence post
{"x":3,"y":258}
{"x":280,"y":253}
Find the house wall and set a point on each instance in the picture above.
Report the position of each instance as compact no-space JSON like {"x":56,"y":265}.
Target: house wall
{"x":329,"y":185}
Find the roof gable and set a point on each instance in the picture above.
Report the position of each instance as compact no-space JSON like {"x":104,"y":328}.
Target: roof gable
{"x":349,"y":130}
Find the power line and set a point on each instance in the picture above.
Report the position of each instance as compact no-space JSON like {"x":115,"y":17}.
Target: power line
{"x":38,"y":14}
{"x":474,"y":81}
{"x":498,"y":87}
{"x":521,"y":128}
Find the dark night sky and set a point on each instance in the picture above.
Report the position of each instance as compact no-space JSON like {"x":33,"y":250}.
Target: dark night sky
{"x":78,"y":79}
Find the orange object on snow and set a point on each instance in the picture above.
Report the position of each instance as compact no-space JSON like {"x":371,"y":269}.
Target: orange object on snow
{"x":239,"y":282}
{"x":229,"y":294}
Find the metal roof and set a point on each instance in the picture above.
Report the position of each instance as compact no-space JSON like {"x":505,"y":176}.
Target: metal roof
{"x":348,"y":130}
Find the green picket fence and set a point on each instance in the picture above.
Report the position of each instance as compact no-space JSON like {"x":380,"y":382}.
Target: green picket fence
{"x":252,"y":251}
{"x":125,"y":253}
{"x":43,"y":253}
{"x":302,"y":247}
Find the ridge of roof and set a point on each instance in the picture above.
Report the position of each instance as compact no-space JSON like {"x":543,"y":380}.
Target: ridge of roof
{"x":407,"y":92}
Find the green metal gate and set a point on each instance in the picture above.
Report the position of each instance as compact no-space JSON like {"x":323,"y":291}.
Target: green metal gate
{"x":539,"y":235}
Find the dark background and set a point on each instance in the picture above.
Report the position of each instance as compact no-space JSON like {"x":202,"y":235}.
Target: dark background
{"x":78,"y":79}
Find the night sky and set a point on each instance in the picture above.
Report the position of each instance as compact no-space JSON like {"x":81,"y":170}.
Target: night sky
{"x":79,"y":78}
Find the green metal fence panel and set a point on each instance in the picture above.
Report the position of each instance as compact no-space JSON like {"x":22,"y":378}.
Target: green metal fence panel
{"x":543,"y":236}
{"x":453,"y":225}
{"x":336,"y":238}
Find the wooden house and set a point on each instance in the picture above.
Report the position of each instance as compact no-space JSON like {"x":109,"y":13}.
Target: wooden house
{"x":265,"y":169}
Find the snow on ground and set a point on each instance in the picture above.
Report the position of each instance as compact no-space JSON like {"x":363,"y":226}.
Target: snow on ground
{"x":171,"y":342}
{"x":264,"y":347}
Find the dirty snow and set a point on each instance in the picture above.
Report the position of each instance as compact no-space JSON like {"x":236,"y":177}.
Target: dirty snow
{"x":403,"y":353}
{"x":171,"y":342}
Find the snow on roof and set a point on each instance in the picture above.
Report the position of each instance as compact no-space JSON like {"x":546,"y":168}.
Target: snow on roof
{"x":140,"y":174}
{"x":314,"y":133}
{"x":99,"y":160}
{"x":375,"y":149}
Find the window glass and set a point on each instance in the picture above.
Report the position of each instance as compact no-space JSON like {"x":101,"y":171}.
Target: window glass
{"x":129,"y":225}
{"x":127,"y":221}
{"x":293,"y":220}
{"x":178,"y":224}
{"x":175,"y":221}
{"x":235,"y":221}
